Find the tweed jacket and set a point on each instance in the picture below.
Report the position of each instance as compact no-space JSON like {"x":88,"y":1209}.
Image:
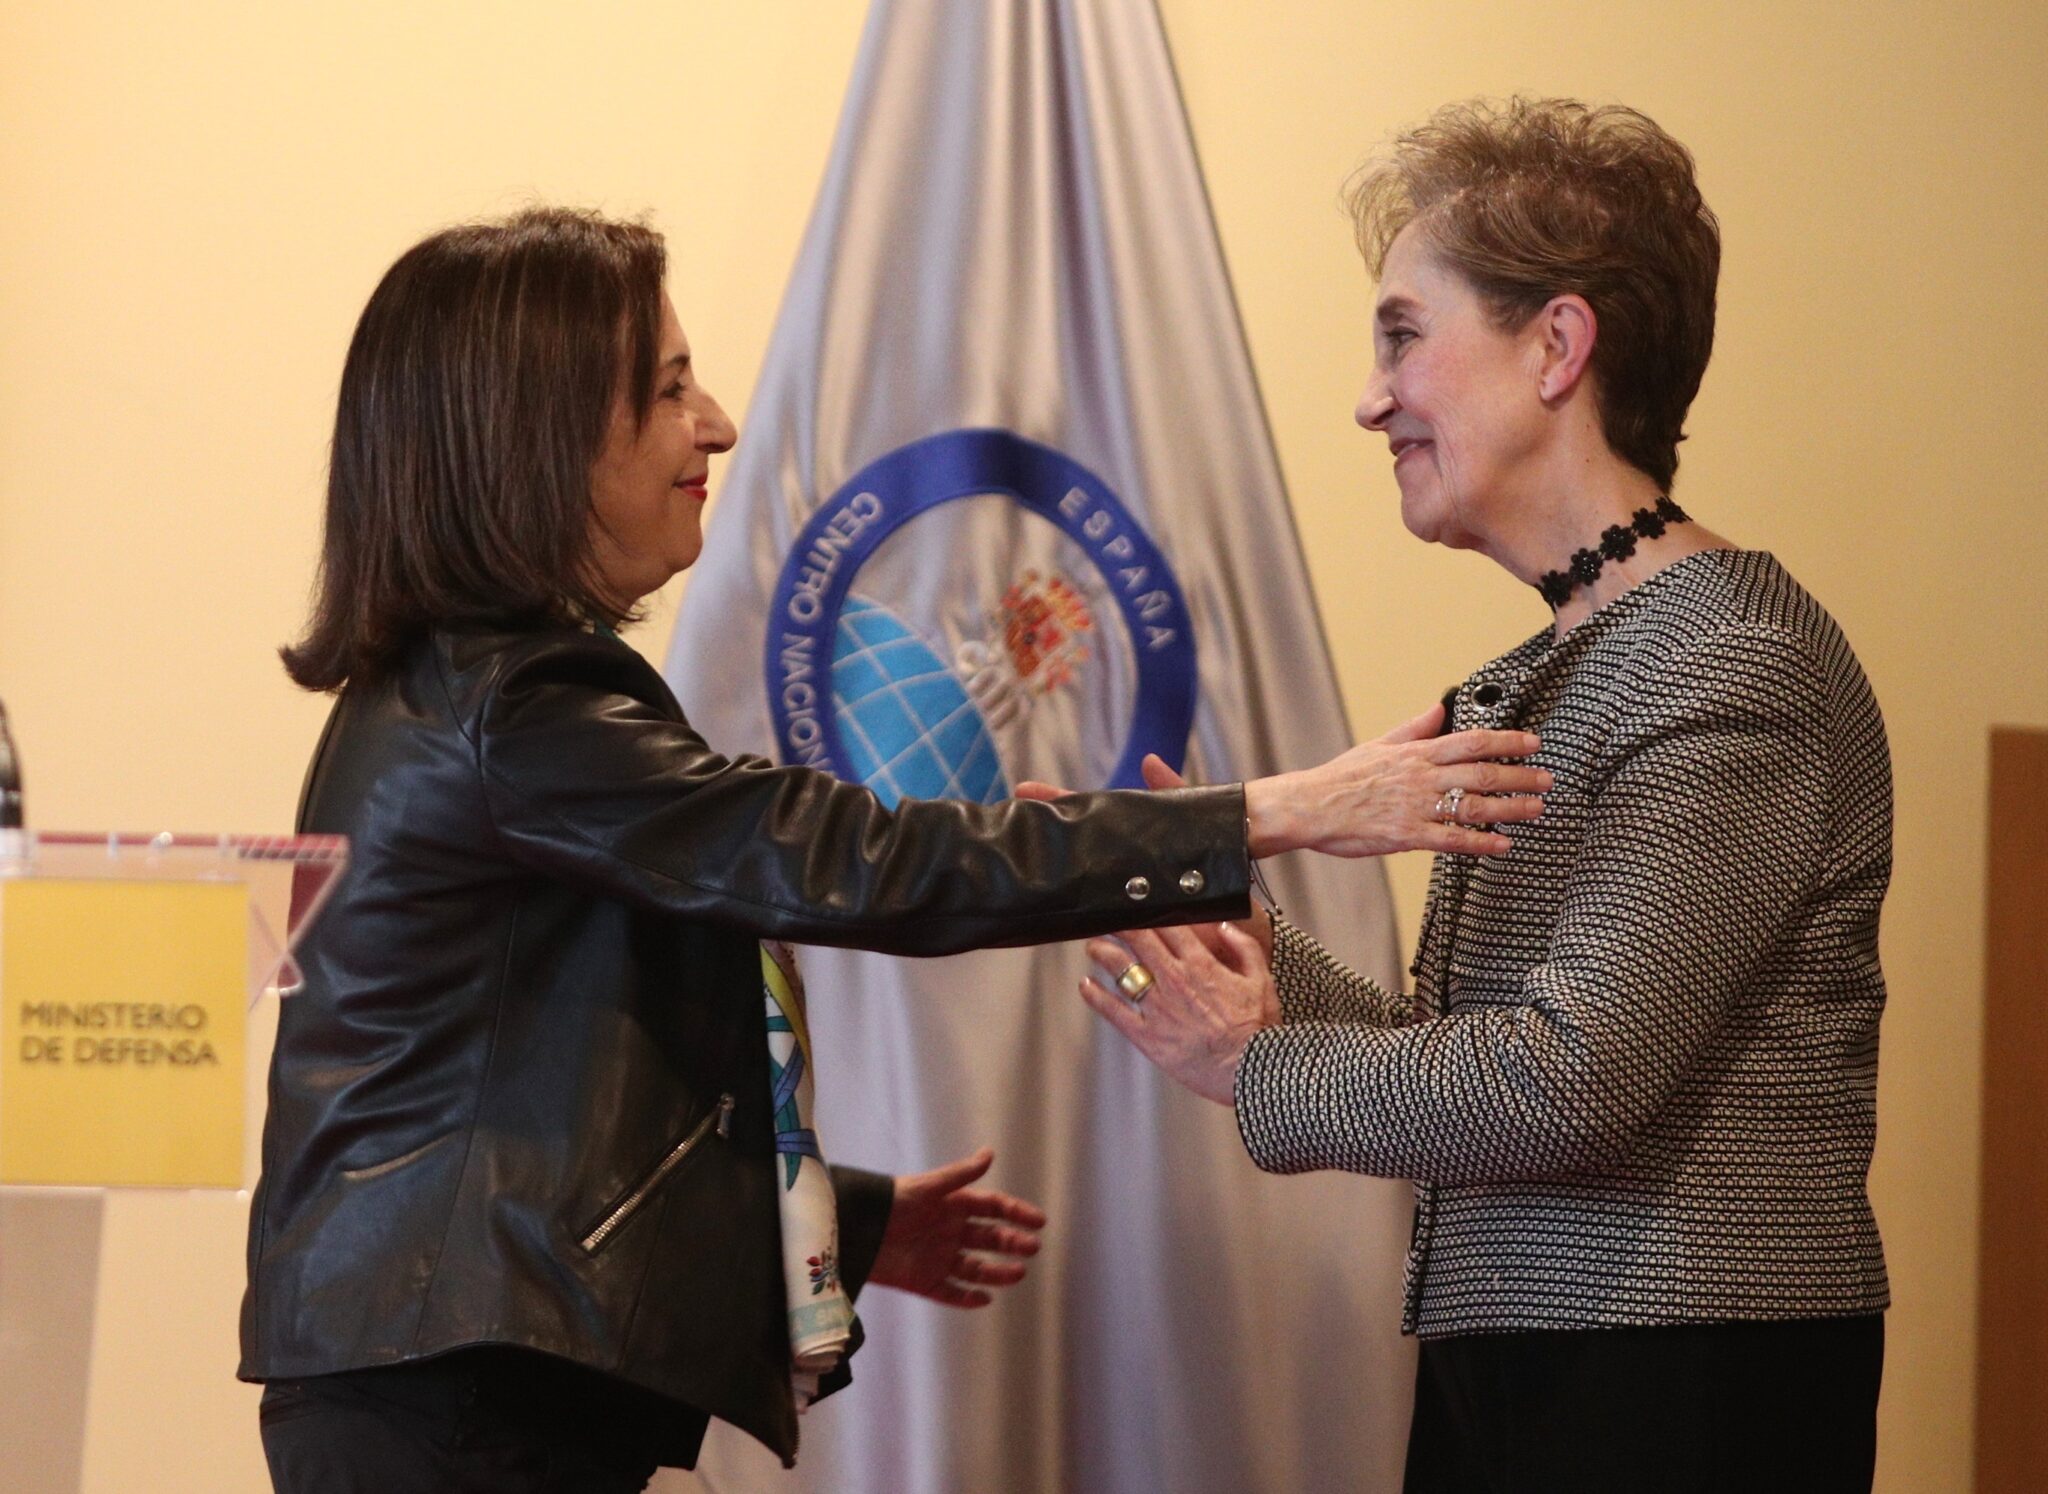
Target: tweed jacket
{"x":1636,"y":1083}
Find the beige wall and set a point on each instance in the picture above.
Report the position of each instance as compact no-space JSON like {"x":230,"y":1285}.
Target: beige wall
{"x":195,"y":200}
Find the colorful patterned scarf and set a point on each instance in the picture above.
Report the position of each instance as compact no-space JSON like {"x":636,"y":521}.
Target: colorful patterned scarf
{"x":820,"y":1312}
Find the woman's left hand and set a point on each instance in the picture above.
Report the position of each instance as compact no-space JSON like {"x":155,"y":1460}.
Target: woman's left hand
{"x":953,"y":1243}
{"x":1202,"y":1006}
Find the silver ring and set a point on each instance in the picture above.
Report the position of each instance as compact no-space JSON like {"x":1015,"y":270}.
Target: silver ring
{"x":1135,"y":981}
{"x":1448,"y":804}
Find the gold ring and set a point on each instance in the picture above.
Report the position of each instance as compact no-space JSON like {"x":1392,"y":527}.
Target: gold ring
{"x":1135,"y":981}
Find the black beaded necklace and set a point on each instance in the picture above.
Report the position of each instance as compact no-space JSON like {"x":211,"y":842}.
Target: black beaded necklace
{"x":1617,"y":542}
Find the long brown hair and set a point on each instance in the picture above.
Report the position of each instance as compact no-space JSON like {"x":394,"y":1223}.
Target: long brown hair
{"x":476,"y":395}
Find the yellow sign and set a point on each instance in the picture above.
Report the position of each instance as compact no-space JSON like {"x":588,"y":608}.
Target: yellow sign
{"x":121,"y":1038}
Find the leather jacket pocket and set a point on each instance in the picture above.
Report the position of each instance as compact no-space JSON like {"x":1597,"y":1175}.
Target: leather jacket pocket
{"x":629,"y":1203}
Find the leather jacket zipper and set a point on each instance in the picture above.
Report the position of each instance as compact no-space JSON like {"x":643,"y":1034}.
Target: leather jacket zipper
{"x":720,"y":1119}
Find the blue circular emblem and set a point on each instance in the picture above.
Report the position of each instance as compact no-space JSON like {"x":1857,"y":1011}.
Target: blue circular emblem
{"x":854,"y":690}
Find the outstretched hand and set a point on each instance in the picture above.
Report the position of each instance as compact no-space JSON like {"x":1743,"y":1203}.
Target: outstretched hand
{"x":1210,"y":992}
{"x":1212,"y":982}
{"x":1414,"y":789}
{"x":1385,"y":795}
{"x":953,"y":1243}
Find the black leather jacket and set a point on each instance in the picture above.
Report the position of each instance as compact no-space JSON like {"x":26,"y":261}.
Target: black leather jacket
{"x":523,"y":1097}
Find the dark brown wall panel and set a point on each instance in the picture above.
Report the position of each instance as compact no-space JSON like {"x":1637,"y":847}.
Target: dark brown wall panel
{"x":2012,"y":1311}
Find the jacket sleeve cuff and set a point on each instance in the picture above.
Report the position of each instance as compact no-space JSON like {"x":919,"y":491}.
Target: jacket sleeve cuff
{"x":1188,"y":861}
{"x":1305,"y":1100}
{"x":864,"y":1201}
{"x":1262,"y":1107}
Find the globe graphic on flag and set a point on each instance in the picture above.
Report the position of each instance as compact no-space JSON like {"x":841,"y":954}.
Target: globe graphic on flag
{"x":907,"y":727}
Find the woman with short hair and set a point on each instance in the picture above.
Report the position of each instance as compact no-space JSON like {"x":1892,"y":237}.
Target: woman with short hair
{"x":519,"y":1223}
{"x":1636,"y":1082}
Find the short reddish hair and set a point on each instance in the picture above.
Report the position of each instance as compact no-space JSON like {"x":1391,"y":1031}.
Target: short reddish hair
{"x":1536,"y":198}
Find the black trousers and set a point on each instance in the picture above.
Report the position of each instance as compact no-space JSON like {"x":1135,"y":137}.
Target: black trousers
{"x":1746,"y":1408}
{"x":481,"y":1421}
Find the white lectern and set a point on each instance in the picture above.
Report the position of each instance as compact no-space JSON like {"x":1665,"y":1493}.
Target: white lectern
{"x":132,"y":968}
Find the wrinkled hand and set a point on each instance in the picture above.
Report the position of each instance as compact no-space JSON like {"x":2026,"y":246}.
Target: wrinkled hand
{"x":1205,"y":1002}
{"x":950,"y":1242}
{"x":1381,"y":796}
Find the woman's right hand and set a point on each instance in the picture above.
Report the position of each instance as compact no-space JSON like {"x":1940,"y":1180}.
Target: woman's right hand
{"x":1382,"y":796}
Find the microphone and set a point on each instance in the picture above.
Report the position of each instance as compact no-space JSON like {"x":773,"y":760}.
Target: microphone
{"x":10,"y":779}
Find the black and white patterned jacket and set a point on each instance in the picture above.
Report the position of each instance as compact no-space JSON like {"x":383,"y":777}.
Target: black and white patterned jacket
{"x":1637,"y":1080}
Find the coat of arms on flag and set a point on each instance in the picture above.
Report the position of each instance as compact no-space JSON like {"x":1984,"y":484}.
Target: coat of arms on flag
{"x":900,"y":683}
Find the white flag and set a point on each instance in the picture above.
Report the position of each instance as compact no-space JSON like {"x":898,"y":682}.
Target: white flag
{"x":1007,"y":507}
